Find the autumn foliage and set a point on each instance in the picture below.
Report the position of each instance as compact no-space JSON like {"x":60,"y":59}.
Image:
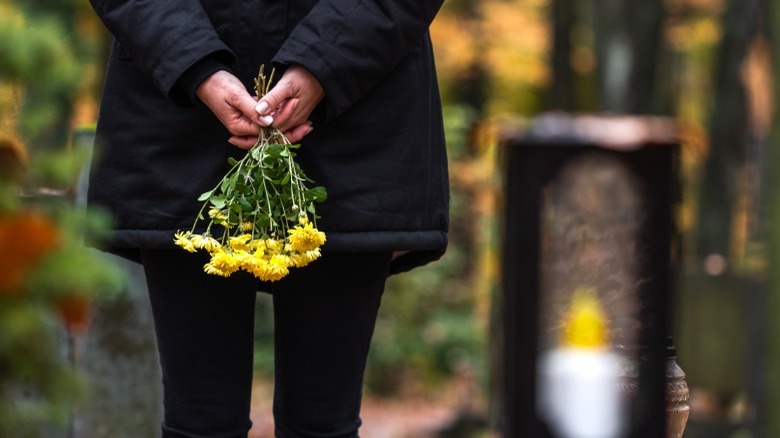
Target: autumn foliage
{"x":26,"y":237}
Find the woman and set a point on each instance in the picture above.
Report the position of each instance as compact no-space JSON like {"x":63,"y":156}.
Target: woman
{"x":359,"y":92}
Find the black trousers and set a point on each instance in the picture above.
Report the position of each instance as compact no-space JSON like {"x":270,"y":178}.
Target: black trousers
{"x":324,"y":316}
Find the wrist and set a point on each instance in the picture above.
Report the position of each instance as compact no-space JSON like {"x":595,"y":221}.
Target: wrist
{"x":195,"y":76}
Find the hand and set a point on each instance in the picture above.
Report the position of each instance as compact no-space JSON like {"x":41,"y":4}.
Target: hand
{"x":290,"y":102}
{"x":229,"y":100}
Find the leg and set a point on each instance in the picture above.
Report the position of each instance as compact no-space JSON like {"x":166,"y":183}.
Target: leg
{"x":324,"y":316}
{"x":204,"y":326}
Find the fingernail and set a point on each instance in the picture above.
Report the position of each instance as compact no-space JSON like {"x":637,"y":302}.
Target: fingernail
{"x":266,"y":120}
{"x":262,"y":107}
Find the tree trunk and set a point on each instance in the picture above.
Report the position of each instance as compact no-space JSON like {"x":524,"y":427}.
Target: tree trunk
{"x":649,"y":91}
{"x":562,"y":89}
{"x":769,"y":403}
{"x":728,"y":132}
{"x":628,"y":50}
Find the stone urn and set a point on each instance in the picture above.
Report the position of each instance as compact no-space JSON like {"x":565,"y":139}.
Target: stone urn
{"x":677,"y":407}
{"x":676,"y":391}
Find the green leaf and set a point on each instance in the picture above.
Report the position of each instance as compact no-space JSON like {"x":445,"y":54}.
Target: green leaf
{"x":262,"y":221}
{"x":245,"y":204}
{"x":205,"y":195}
{"x":218,"y":201}
{"x":285,"y":197}
{"x":318,"y":193}
{"x":257,"y":154}
{"x":274,"y":150}
{"x":232,"y":161}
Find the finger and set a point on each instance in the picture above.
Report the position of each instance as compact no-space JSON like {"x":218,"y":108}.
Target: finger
{"x":243,"y":142}
{"x":243,"y":127}
{"x":285,"y":117}
{"x":266,"y":120}
{"x":274,"y":98}
{"x":244,"y":103}
{"x":296,"y":134}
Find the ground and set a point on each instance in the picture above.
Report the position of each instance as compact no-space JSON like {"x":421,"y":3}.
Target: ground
{"x":398,"y":417}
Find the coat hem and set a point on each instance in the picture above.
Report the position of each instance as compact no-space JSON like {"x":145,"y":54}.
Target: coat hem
{"x":420,"y":247}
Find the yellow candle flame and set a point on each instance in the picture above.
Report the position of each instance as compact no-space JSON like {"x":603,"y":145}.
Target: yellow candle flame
{"x":585,"y":325}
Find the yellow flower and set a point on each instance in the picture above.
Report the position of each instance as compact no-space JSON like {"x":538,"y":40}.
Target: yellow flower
{"x":278,"y":266}
{"x":305,"y":237}
{"x":273,"y":245}
{"x":258,"y":245}
{"x":247,"y":226}
{"x":219,"y":217}
{"x":240,"y":242}
{"x":260,"y":269}
{"x":260,"y":254}
{"x":216,"y":213}
{"x":213,"y":270}
{"x":208,"y":243}
{"x":300,"y":260}
{"x":312,"y":255}
{"x":223,"y":262}
{"x":289,"y":259}
{"x":271,"y":270}
{"x":241,"y":257}
{"x":184,"y":240}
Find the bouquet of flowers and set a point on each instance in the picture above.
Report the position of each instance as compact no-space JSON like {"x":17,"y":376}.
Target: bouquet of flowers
{"x":261,"y":215}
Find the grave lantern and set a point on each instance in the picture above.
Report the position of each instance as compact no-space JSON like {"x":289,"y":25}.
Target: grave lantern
{"x":587,"y":276}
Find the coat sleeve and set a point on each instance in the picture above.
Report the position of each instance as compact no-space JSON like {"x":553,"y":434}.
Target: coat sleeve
{"x":164,"y":38}
{"x":350,"y":45}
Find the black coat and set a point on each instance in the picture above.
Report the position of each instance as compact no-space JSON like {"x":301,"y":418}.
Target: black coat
{"x":378,"y":143}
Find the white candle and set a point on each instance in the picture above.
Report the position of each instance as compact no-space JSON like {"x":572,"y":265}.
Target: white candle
{"x":578,"y":392}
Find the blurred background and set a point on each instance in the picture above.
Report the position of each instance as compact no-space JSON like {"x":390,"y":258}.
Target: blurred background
{"x":77,"y":352}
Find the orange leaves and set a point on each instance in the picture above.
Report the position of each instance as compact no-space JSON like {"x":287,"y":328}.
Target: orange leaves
{"x":74,"y":310}
{"x":505,"y":41}
{"x":25,"y":238}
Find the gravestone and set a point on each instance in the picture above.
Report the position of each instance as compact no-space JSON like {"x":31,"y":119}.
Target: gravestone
{"x":118,"y":355}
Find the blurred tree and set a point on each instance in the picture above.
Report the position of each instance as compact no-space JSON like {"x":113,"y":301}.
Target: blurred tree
{"x":629,"y":51}
{"x":720,"y":185}
{"x":469,"y":87}
{"x":49,"y":55}
{"x":563,"y":24}
{"x":491,"y":54}
{"x":769,"y":421}
{"x":606,"y":56}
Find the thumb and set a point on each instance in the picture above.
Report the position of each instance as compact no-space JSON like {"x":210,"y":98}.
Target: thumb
{"x":235,"y":95}
{"x":273,"y":99}
{"x":244,"y":102}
